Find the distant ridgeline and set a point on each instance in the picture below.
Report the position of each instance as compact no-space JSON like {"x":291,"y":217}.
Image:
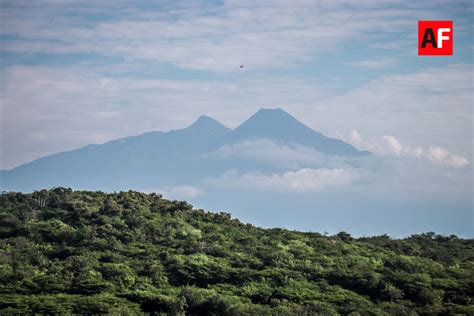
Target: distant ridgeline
{"x":159,"y":159}
{"x":64,"y":251}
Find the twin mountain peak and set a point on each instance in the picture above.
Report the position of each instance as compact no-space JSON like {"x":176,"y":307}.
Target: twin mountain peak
{"x":167,"y":158}
{"x":273,"y":124}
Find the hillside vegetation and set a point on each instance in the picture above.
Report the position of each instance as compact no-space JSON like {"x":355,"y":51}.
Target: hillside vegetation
{"x":64,"y":251}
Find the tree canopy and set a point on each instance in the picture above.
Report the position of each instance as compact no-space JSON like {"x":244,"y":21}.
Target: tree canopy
{"x":65,"y":251}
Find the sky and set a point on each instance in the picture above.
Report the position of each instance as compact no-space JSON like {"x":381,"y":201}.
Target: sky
{"x":74,"y":73}
{"x":79,"y":72}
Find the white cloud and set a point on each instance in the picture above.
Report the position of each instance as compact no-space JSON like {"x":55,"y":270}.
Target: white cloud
{"x":215,"y":37}
{"x":389,"y":145}
{"x":393,"y":144}
{"x":285,"y":156}
{"x":303,"y":180}
{"x":375,"y":63}
{"x":422,"y":107}
{"x":88,"y":107}
{"x":94,"y":100}
{"x":457,"y":161}
{"x":442,"y":156}
{"x":181,"y":192}
{"x":437,"y":154}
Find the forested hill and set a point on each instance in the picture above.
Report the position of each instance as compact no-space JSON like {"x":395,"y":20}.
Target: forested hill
{"x":64,"y":251}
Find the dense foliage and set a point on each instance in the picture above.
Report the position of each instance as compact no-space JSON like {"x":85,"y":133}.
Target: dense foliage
{"x":64,"y":251}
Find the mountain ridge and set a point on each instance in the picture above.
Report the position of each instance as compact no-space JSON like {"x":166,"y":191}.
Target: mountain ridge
{"x":279,"y":125}
{"x":165,"y":157}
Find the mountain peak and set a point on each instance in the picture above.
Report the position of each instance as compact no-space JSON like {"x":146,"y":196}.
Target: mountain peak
{"x":271,"y":111}
{"x":277,"y":124}
{"x":274,"y":115}
{"x":205,"y":117}
{"x":207,"y":123}
{"x":263,"y":110}
{"x":271,"y":122}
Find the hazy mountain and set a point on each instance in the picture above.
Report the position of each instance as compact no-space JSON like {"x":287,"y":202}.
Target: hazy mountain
{"x":278,"y":125}
{"x":158,"y":159}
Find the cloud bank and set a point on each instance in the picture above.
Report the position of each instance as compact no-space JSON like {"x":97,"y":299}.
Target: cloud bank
{"x":99,"y":71}
{"x":300,"y":181}
{"x":389,"y":145}
{"x":180,"y":192}
{"x":281,"y":156}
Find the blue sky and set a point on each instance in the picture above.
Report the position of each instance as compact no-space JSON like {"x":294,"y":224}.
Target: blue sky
{"x":96,"y":72}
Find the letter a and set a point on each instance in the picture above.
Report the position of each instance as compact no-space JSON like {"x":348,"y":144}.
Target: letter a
{"x":429,"y":37}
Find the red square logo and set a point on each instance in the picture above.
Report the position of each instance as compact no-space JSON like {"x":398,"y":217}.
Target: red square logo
{"x":435,"y":38}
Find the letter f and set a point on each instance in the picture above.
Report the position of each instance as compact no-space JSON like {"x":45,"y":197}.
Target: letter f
{"x":441,"y":38}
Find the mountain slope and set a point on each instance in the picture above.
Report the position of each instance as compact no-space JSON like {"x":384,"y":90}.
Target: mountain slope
{"x":65,"y":251}
{"x":156,"y":159}
{"x":278,"y":125}
{"x":121,"y":163}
